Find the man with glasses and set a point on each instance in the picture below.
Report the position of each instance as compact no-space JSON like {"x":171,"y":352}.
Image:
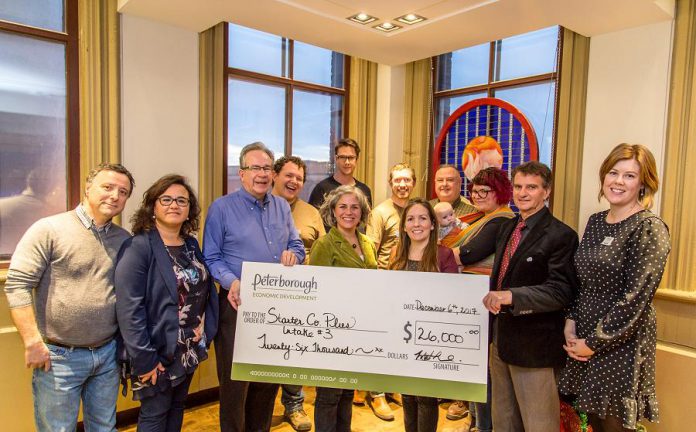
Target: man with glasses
{"x":448,"y":187}
{"x":288,"y":182}
{"x":250,"y":224}
{"x":60,"y":289}
{"x":346,"y":154}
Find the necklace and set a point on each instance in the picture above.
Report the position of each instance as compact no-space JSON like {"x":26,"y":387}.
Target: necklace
{"x":184,"y":269}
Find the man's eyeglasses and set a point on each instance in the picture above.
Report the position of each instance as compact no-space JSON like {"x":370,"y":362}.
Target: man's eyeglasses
{"x":345,"y":159}
{"x":481,"y":193}
{"x":166,"y":201}
{"x":257,"y":169}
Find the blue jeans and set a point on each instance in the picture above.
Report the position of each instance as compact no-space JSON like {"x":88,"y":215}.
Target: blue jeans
{"x":77,"y":374}
{"x":291,"y":397}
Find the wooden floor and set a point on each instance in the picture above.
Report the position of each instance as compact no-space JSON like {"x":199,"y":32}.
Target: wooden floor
{"x":205,"y":418}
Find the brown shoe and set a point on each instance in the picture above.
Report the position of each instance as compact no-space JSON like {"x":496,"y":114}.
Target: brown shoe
{"x":359,"y":397}
{"x":457,"y":410}
{"x":381,"y":408}
{"x":299,"y":420}
{"x":396,"y":397}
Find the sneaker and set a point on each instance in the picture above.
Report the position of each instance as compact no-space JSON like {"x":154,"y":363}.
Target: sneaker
{"x":299,"y":420}
{"x":457,"y":410}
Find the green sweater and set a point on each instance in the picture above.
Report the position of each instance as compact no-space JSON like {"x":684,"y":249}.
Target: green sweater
{"x":333,"y":250}
{"x":67,"y":271}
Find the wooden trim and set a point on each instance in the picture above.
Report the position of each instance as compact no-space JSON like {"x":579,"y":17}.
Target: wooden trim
{"x":556,"y":95}
{"x":225,"y":107}
{"x":36,"y":32}
{"x":288,"y":119}
{"x":346,"y":104}
{"x":515,"y":82}
{"x":72,"y":65}
{"x":260,"y":77}
{"x":676,"y":295}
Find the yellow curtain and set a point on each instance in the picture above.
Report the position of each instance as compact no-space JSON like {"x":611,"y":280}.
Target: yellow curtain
{"x":211,"y":141}
{"x":678,"y":188}
{"x":572,"y":96}
{"x":362,"y":114}
{"x":418,"y":113}
{"x":100,"y":69}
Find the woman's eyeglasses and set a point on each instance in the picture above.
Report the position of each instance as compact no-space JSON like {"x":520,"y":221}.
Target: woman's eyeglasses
{"x":481,"y":193}
{"x":166,"y":201}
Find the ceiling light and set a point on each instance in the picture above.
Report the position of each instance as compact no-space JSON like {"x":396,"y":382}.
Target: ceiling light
{"x":387,"y":27}
{"x":410,"y":19}
{"x":362,"y":18}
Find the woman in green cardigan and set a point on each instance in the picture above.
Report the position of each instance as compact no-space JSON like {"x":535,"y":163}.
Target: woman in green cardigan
{"x":344,"y":209}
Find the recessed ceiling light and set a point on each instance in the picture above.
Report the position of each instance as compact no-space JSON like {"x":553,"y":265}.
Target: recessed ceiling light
{"x":387,"y":27}
{"x":362,"y":18}
{"x":410,"y":19}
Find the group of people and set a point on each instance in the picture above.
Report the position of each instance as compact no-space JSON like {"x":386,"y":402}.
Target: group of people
{"x":568,"y":318}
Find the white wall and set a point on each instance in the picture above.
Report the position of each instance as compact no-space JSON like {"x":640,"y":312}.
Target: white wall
{"x":628,"y":90}
{"x":389,"y":126}
{"x":159,"y":103}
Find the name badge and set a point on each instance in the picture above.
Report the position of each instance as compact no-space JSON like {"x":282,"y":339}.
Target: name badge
{"x":608,"y":241}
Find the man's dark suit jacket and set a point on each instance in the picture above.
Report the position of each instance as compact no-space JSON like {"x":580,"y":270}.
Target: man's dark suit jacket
{"x":542,"y":280}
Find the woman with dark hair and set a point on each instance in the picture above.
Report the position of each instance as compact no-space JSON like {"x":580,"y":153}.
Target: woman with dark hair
{"x":418,"y":250}
{"x":166,"y":303}
{"x":611,"y":331}
{"x":474,"y":250}
{"x":344,"y":209}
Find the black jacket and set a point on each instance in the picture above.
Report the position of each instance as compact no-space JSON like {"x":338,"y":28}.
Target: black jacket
{"x":542,"y":279}
{"x":147,"y":305}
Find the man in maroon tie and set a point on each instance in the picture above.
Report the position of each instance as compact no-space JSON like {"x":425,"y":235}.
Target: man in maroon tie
{"x":532,"y":281}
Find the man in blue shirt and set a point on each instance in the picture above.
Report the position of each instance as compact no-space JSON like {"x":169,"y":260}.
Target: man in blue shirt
{"x":250,"y":224}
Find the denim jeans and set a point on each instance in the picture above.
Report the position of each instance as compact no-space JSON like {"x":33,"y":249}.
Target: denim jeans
{"x":77,"y":373}
{"x":291,"y":397}
{"x":333,"y":409}
{"x":164,"y":411}
{"x":420,"y":413}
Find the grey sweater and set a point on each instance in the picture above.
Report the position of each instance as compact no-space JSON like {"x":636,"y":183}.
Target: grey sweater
{"x":67,"y":270}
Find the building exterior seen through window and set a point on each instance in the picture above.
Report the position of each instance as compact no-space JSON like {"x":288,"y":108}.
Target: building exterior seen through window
{"x":521,"y":70}
{"x":287,"y":94}
{"x":37,"y":130}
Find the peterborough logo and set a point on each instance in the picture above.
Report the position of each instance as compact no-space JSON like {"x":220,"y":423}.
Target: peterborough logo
{"x":280,"y":283}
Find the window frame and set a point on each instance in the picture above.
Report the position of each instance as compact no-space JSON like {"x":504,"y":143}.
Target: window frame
{"x":491,"y":86}
{"x":289,"y":84}
{"x":69,"y":38}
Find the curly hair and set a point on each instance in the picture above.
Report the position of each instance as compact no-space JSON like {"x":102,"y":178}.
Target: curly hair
{"x":143,"y":219}
{"x":327,"y":209}
{"x":497,"y":180}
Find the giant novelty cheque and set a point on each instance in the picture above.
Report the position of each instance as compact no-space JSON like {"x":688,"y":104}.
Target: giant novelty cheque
{"x":396,"y":331}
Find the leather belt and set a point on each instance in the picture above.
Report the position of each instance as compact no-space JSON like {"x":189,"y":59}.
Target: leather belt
{"x":62,"y":345}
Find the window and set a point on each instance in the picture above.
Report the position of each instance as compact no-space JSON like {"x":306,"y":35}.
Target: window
{"x":38,"y":115}
{"x":287,"y":94}
{"x":520,"y":70}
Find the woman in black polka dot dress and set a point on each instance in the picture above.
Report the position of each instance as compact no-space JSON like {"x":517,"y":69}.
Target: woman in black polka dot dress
{"x":610,"y":330}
